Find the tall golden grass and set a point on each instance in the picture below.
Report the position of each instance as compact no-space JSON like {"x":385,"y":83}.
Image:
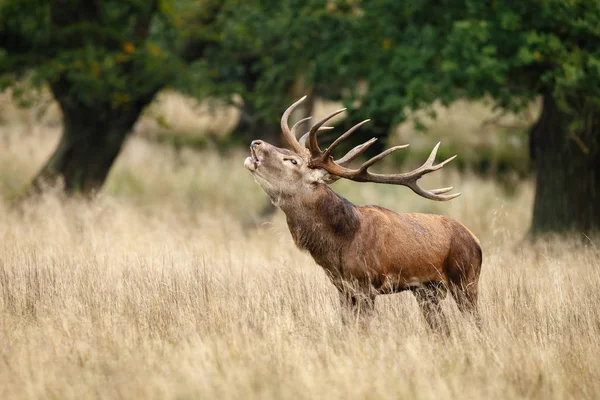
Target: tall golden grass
{"x":153,"y":289}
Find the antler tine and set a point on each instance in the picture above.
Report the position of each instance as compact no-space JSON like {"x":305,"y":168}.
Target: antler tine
{"x":337,"y":141}
{"x":297,"y":124}
{"x":428,"y":165}
{"x":440,"y":165}
{"x":432,"y":155}
{"x":431,"y":159}
{"x":441,"y":190}
{"x":352,"y":154}
{"x":305,"y":136}
{"x":287,"y":132}
{"x":434,"y":194}
{"x":381,"y":155}
{"x":313,"y":145}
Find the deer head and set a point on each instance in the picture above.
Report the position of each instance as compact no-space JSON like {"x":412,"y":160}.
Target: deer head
{"x":286,"y":173}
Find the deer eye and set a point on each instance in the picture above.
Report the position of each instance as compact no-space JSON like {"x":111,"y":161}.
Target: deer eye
{"x":294,"y":161}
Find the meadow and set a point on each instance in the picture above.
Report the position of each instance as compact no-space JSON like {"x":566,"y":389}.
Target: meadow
{"x":159,"y":288}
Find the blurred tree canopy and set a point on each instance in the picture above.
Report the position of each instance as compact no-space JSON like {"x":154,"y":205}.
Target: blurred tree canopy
{"x":105,"y":61}
{"x":266,"y":52}
{"x":414,"y":52}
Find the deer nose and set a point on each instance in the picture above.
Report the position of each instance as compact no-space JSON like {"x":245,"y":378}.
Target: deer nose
{"x":255,"y":144}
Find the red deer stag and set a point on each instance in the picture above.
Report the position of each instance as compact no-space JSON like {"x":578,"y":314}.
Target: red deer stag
{"x":367,"y":250}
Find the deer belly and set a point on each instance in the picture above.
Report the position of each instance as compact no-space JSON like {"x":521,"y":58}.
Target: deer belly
{"x":387,"y":277}
{"x":394,"y":283}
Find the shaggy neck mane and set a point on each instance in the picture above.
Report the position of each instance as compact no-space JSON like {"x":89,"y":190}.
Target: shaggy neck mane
{"x":321,"y":221}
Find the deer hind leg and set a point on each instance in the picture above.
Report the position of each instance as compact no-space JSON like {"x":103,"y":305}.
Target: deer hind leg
{"x":462,"y":271}
{"x":428,"y":298}
{"x":465,"y":294}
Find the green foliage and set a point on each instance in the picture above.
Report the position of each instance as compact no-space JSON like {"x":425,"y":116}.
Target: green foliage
{"x":259,"y":48}
{"x":94,"y":55}
{"x":408,"y":53}
{"x":413,"y":52}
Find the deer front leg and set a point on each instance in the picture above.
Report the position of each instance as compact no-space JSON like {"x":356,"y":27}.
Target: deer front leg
{"x":357,"y":299}
{"x":357,"y":307}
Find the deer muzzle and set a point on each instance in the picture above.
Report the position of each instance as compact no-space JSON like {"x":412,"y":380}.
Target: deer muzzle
{"x":252,"y":162}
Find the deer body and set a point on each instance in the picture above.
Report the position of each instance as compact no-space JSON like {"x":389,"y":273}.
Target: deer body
{"x":368,"y":250}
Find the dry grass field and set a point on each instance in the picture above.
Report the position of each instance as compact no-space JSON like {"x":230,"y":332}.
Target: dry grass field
{"x":153,"y":289}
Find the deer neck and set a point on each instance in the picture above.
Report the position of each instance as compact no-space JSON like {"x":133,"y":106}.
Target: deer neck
{"x":321,"y":222}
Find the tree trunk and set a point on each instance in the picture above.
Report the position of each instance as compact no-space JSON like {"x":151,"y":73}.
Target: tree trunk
{"x":90,"y":143}
{"x":566,"y":155}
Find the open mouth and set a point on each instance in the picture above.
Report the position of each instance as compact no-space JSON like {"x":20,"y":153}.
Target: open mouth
{"x":254,"y":156}
{"x":252,"y":162}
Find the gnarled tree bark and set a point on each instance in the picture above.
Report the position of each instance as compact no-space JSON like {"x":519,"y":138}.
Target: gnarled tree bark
{"x":566,"y":157}
{"x":91,"y":141}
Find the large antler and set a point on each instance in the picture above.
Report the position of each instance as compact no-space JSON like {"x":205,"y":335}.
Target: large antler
{"x":338,"y":168}
{"x":322,"y":159}
{"x":290,"y":134}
